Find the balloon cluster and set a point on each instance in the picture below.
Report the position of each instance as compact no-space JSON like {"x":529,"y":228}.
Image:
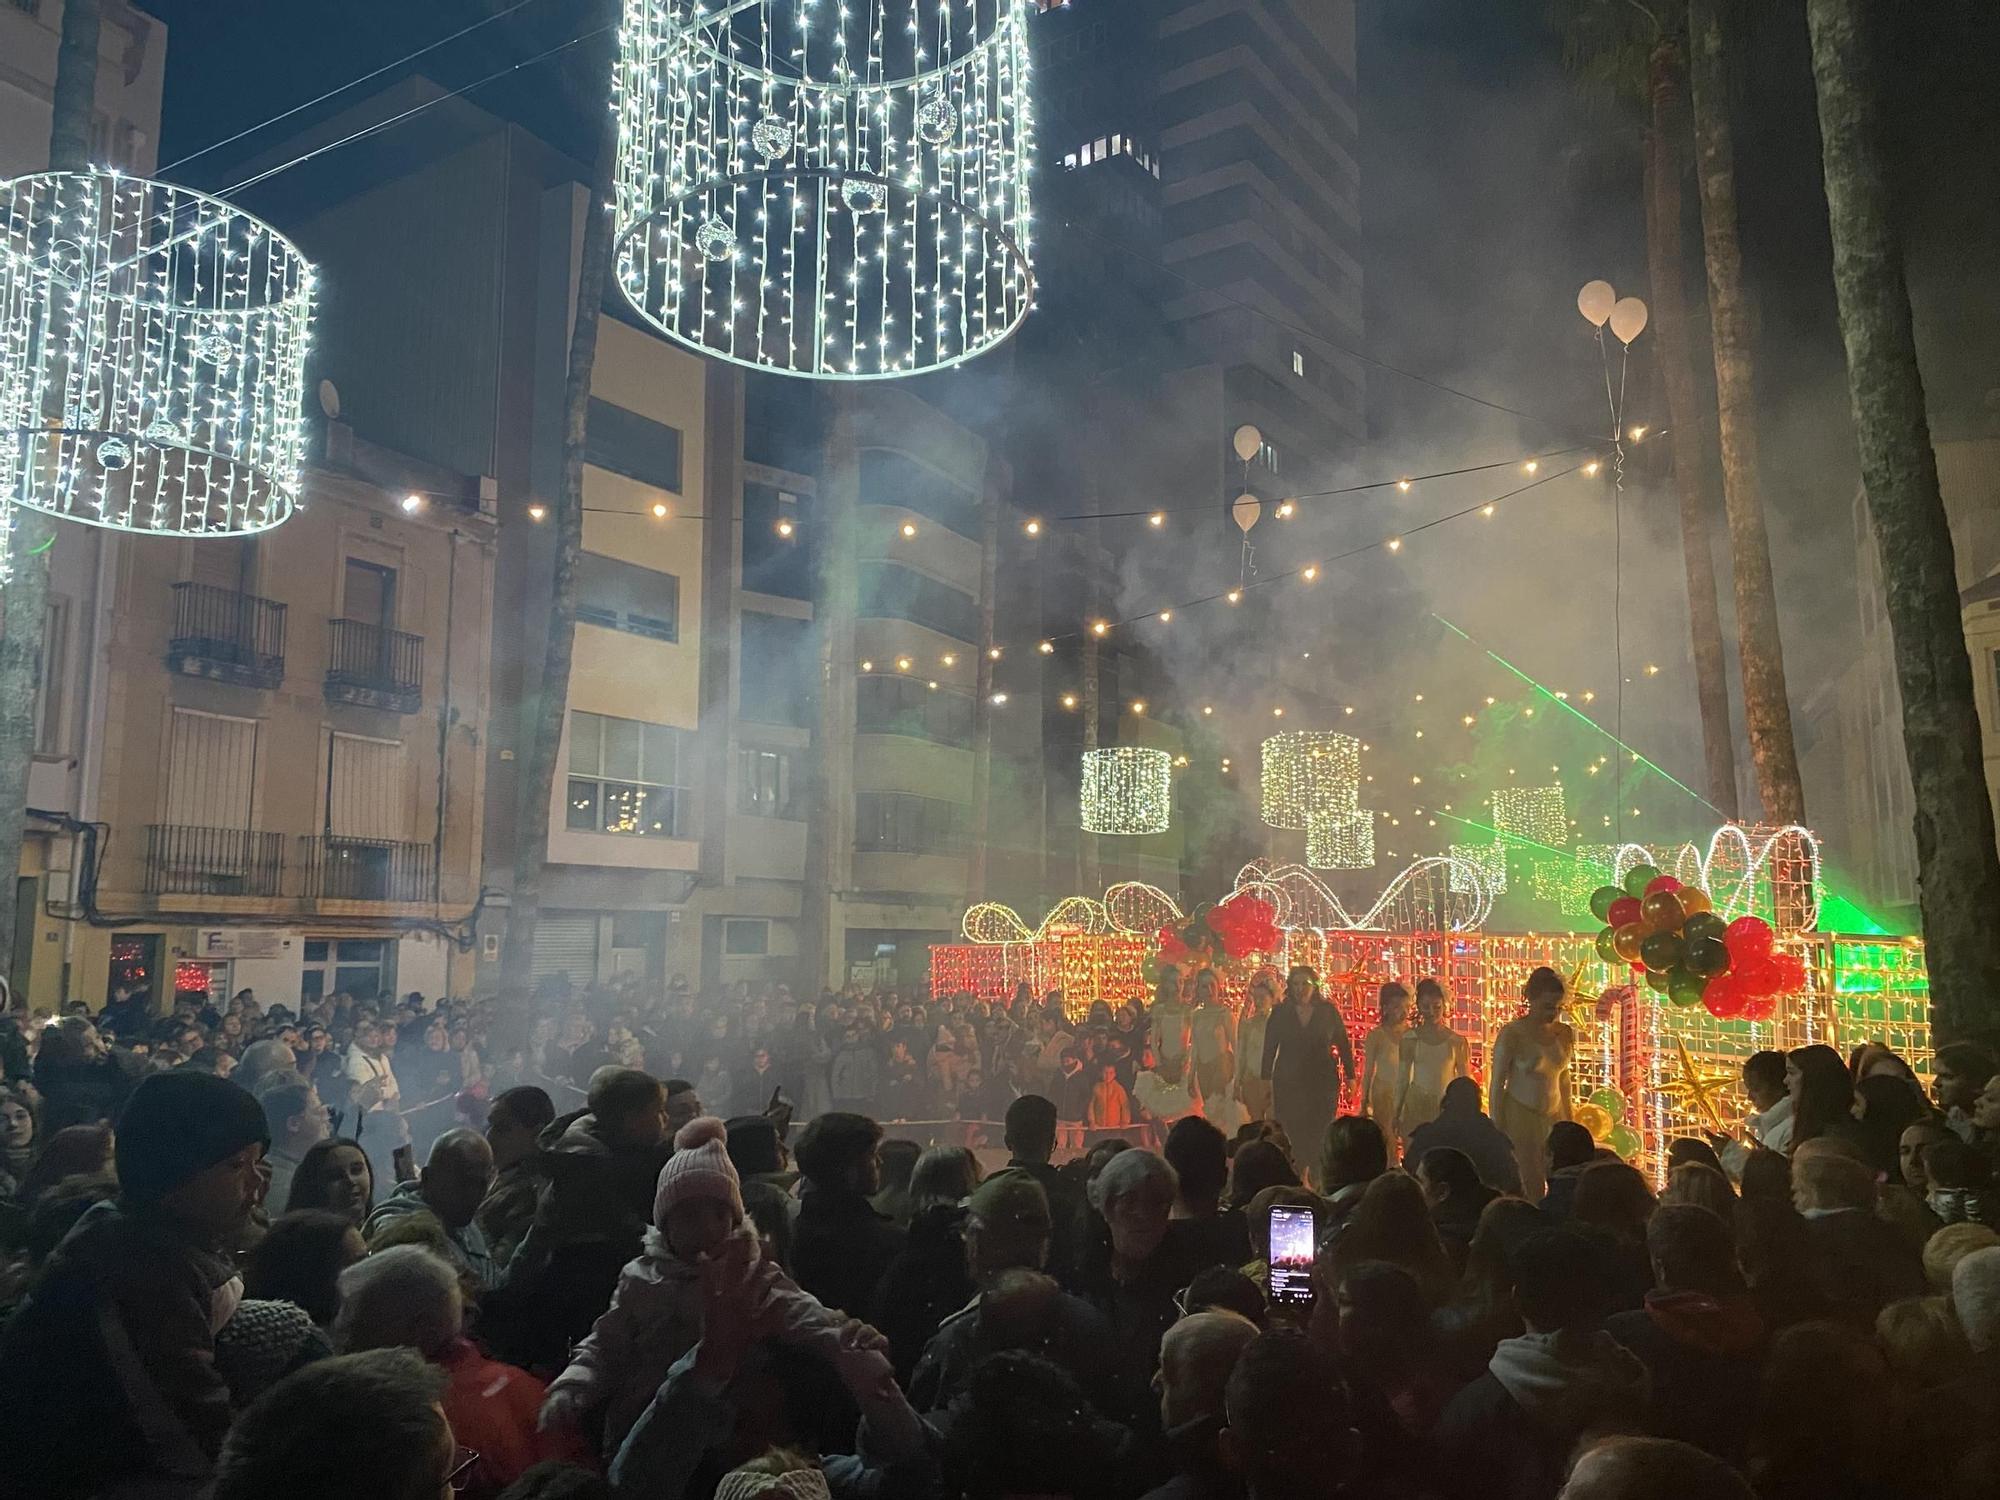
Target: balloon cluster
{"x":1603,"y":1115}
{"x":1670,"y":933}
{"x":1244,"y":925}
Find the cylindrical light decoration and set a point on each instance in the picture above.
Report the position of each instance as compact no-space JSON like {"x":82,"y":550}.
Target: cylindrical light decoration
{"x":1127,"y":789}
{"x":152,"y":357}
{"x":1340,"y":840}
{"x":831,"y":190}
{"x":1307,"y":771}
{"x":1485,"y":862}
{"x":1535,"y":813}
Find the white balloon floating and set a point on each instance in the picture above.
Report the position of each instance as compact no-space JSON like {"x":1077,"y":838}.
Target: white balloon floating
{"x":1249,"y":442}
{"x":1595,"y":302}
{"x":1628,"y":319}
{"x":1245,"y":512}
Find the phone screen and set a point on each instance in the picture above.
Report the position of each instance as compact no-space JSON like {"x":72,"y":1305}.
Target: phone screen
{"x":1293,"y":1237}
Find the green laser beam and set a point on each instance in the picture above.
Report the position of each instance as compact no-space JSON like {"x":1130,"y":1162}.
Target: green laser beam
{"x":1564,"y":703}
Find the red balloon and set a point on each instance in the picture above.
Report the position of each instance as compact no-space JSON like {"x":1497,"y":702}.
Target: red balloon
{"x":1762,"y":976}
{"x":1624,"y":909}
{"x":1725,"y":997}
{"x":1748,"y":938}
{"x":1662,"y":883}
{"x":1791,"y":971}
{"x":1759,"y":1008}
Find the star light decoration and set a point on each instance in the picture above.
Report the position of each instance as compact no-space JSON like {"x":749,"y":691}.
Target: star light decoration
{"x":1127,"y":790}
{"x":1307,"y":772}
{"x":826,"y":189}
{"x":152,"y":358}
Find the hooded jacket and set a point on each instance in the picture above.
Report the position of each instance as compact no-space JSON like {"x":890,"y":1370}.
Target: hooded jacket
{"x":1702,"y":1353}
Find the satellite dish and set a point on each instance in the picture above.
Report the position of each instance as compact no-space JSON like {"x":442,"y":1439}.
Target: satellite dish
{"x":1245,"y":512}
{"x":329,"y":398}
{"x":1249,"y":441}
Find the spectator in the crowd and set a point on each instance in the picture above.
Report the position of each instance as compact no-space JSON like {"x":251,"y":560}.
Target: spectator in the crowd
{"x":1392,"y":1223}
{"x":898,"y":1160}
{"x":514,"y":1120}
{"x":1959,"y":1184}
{"x":1652,"y":1468}
{"x":384,"y":1403}
{"x":1456,"y":1197}
{"x":1819,"y":1426}
{"x":1951,"y":1244}
{"x":602,"y":1164}
{"x":1197,"y":1357}
{"x":1022,"y":1428}
{"x":1924,"y":1343}
{"x":1139,"y":1259}
{"x":298,"y":1121}
{"x":1199,"y":1155}
{"x":1030,"y":1138}
{"x":1613,"y":1196}
{"x":1822,"y":1096}
{"x":1885,"y":1105}
{"x":1290,"y":1424}
{"x":79,"y":1079}
{"x":110,"y":1365}
{"x":336,"y":1175}
{"x":1257,"y":1165}
{"x":406,"y":1297}
{"x":1854,"y":1261}
{"x":1511,"y":1431}
{"x":1699,"y":1334}
{"x":452,"y":1185}
{"x":263,"y":1061}
{"x":1958,"y":1072}
{"x":1392,"y":1359}
{"x":1462,"y":1125}
{"x":854,"y":1075}
{"x":377,"y":1097}
{"x":1702,"y":1185}
{"x":299,"y":1260}
{"x":683,"y":1104}
{"x":73,"y":1151}
{"x":842,"y":1245}
{"x":927,"y":1281}
{"x":1769,"y":1122}
{"x":19,"y":1137}
{"x":1352,"y":1154}
{"x":1482,"y":1313}
{"x":1571,"y":1151}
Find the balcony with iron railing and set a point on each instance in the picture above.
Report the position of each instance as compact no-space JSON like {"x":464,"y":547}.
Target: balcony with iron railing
{"x":227,"y":636}
{"x":374,"y":667}
{"x":342,"y":868}
{"x":188,"y":861}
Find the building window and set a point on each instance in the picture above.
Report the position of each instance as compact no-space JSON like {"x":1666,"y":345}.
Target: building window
{"x":619,"y":595}
{"x":777,"y":682}
{"x":746,"y":937}
{"x":764,"y":783}
{"x":362,"y":967}
{"x":1268,"y":457}
{"x":905,"y":705}
{"x":898,"y":823}
{"x":51,"y":736}
{"x":624,"y":777}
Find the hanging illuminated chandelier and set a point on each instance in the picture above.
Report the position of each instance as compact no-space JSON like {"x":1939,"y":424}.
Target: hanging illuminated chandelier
{"x":1340,"y":840}
{"x":829,"y":188}
{"x":152,"y":358}
{"x":1307,"y":772}
{"x":1127,"y":790}
{"x":1537,"y":814}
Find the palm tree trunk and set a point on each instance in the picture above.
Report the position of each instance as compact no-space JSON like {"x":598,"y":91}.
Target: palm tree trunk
{"x":830,"y":763}
{"x":1667,"y":84}
{"x":531,"y":826}
{"x":25,"y":601}
{"x":982,"y":702}
{"x":1958,"y":870}
{"x":1766,"y":711}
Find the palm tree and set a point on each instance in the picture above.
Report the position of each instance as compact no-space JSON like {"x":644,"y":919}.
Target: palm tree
{"x":25,"y":601}
{"x":1767,"y":712}
{"x":1958,"y":870}
{"x":1635,"y":50}
{"x":566,"y":521}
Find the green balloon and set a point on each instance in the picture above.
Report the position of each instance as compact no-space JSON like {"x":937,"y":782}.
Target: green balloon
{"x":1601,"y":899}
{"x":1703,"y":924}
{"x":1625,"y":1141}
{"x":1638,"y":878}
{"x":1611,"y":1102}
{"x":1656,"y":981}
{"x":1606,"y":948}
{"x":1707,"y":956}
{"x":1663,"y":951}
{"x":1684,"y":988}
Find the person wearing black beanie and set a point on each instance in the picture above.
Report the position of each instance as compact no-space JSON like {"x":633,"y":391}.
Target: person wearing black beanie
{"x":111,"y":1360}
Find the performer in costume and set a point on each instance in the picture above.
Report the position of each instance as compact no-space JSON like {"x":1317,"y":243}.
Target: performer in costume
{"x":1307,"y":1053}
{"x":1433,"y":1055}
{"x":1167,"y":1024}
{"x":1252,"y":1087}
{"x":1529,"y":1082}
{"x":1382,"y":1062}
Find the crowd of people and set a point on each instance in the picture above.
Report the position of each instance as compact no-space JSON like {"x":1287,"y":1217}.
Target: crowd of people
{"x":670,"y":1249}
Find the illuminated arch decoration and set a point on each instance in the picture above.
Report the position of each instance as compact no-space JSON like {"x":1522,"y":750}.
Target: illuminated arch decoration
{"x":1134,"y":907}
{"x":1758,"y":870}
{"x":1340,"y":840}
{"x":823,"y":189}
{"x":1127,"y":790}
{"x":1308,"y":771}
{"x":1129,"y":909}
{"x":152,"y":358}
{"x":1430,"y":895}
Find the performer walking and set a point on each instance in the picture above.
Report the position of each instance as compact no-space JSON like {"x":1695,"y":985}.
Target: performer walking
{"x":1530,"y":1077}
{"x":1433,"y":1055}
{"x":1382,"y":1062}
{"x":1307,"y":1054}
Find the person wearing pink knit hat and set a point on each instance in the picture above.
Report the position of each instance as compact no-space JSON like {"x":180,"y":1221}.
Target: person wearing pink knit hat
{"x":656,"y":1315}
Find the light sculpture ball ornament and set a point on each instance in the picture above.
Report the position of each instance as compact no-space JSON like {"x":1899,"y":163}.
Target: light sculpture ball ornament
{"x":152,"y":357}
{"x":1340,"y":840}
{"x":1127,"y":790}
{"x":1308,"y":771}
{"x":871,"y":163}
